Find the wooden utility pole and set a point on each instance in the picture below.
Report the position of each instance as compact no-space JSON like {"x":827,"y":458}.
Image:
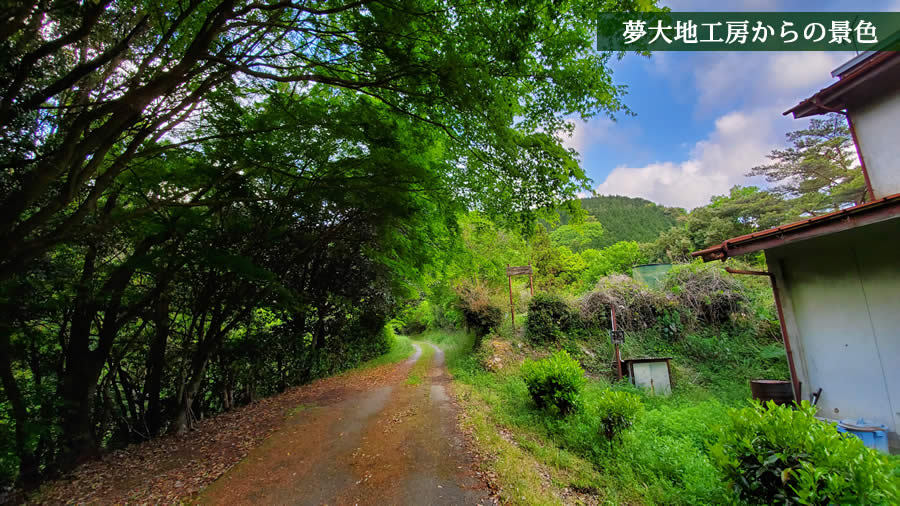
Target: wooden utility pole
{"x":530,"y":279}
{"x":512,"y":307}
{"x":617,"y":338}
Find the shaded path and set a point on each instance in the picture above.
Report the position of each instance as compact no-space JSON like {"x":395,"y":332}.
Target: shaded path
{"x":391,"y":444}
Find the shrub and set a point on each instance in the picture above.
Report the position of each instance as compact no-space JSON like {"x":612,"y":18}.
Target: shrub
{"x":777,"y":454}
{"x":445,"y":310}
{"x":549,"y":317}
{"x":618,"y":410}
{"x":669,"y":324}
{"x":637,"y":306}
{"x":480,"y":314}
{"x":707,"y":291}
{"x":554,"y":381}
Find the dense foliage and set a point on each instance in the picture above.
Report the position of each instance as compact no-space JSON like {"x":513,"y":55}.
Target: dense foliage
{"x":626,"y":445}
{"x":637,"y":306}
{"x":625,"y":219}
{"x":554,"y":382}
{"x":204,"y":202}
{"x":549,"y":318}
{"x":780,"y":455}
{"x":618,"y":411}
{"x":621,"y":443}
{"x":705,"y":291}
{"x":480,"y":314}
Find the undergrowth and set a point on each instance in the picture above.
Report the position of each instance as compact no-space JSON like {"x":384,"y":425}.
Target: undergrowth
{"x":399,"y":348}
{"x":608,"y":441}
{"x":662,"y":458}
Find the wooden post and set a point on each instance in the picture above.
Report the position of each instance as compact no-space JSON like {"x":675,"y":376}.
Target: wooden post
{"x":512,"y":308}
{"x":530,"y":279}
{"x":612,"y":310}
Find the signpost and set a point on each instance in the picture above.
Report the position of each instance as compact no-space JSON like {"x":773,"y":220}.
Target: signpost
{"x":518,"y":271}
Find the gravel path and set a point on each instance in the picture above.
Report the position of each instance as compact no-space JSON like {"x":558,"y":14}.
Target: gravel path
{"x":394,"y":443}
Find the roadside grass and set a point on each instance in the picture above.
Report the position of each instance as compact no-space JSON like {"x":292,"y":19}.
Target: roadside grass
{"x":400,"y":349}
{"x":420,"y":368}
{"x":541,"y":459}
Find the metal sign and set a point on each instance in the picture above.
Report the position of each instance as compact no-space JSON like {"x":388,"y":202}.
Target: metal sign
{"x":617,"y":336}
{"x":517,"y":271}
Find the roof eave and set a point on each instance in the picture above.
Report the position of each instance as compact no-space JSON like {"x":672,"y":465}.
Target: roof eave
{"x":866,"y":214}
{"x":833,"y":97}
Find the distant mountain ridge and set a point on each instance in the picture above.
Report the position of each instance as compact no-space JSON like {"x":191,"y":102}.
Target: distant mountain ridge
{"x":627,"y":218}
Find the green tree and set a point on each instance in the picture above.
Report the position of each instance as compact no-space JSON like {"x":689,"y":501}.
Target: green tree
{"x":819,"y":171}
{"x":176,"y":173}
{"x":673,"y":246}
{"x":578,"y":237}
{"x":549,"y":260}
{"x":618,"y":258}
{"x":744,"y":210}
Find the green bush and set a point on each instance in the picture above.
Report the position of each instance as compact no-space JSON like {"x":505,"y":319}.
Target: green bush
{"x":554,"y":381}
{"x":618,"y":410}
{"x":775,"y":454}
{"x":667,"y":449}
{"x":670,"y":325}
{"x":480,"y":314}
{"x":549,"y":318}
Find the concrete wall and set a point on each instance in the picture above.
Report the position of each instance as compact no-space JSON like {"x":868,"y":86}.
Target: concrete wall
{"x":841,"y":299}
{"x":877,"y":126}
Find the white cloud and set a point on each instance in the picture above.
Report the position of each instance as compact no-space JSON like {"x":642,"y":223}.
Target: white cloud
{"x":740,"y":141}
{"x":587,"y":133}
{"x":802,"y":72}
{"x":754,"y":89}
{"x":758,"y":78}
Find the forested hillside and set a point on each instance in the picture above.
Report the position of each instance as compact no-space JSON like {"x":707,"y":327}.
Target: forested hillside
{"x":627,"y":218}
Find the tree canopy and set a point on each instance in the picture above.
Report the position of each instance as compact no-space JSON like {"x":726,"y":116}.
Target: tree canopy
{"x":205,"y":202}
{"x":819,"y":171}
{"x":625,"y":218}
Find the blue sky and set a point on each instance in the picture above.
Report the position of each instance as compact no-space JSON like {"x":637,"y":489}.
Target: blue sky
{"x":704,"y":118}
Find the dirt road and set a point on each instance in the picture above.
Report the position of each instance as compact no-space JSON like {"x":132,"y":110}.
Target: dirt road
{"x":393,"y":443}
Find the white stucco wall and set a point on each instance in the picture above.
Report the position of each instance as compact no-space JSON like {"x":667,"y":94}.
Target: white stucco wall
{"x":841,"y":299}
{"x":877,"y":126}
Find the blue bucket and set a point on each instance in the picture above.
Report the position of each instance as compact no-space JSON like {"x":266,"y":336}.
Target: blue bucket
{"x":872,"y":435}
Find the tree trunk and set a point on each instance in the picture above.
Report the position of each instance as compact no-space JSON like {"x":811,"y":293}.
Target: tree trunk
{"x":76,"y":390}
{"x":156,"y":365}
{"x":183,"y":420}
{"x":28,"y":464}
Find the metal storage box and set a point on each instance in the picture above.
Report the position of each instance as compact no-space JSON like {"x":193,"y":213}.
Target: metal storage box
{"x":652,"y":373}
